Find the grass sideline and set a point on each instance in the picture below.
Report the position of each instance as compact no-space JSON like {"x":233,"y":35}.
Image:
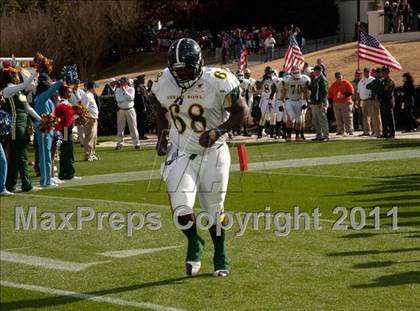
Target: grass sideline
{"x":322,"y":269}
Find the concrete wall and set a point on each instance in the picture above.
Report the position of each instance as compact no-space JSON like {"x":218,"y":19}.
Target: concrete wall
{"x":348,"y":17}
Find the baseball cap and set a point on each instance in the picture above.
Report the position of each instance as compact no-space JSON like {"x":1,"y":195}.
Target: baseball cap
{"x":317,"y":68}
{"x":337,"y":74}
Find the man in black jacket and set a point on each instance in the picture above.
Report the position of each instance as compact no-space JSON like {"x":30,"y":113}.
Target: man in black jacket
{"x":140,"y":104}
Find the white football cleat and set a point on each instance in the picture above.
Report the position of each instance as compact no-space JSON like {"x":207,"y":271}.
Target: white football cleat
{"x":221,"y":273}
{"x":192,"y":267}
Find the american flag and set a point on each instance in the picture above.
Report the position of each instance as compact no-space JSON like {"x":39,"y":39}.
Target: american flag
{"x":372,"y":50}
{"x":243,"y":63}
{"x":293,"y":56}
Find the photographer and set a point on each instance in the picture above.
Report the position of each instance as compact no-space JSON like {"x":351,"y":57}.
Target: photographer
{"x":140,"y":103}
{"x":124,"y":95}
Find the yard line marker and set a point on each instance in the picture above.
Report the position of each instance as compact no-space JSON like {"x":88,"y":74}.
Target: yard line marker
{"x":87,"y":296}
{"x":47,"y":263}
{"x":256,"y":166}
{"x":75,"y":199}
{"x":135,"y":252}
{"x":341,"y":177}
{"x":16,"y":248}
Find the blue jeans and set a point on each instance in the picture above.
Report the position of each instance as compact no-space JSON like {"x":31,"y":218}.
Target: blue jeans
{"x":269,"y":54}
{"x":45,"y":160}
{"x":3,"y":169}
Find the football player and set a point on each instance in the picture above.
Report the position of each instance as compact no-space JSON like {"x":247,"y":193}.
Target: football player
{"x":245,"y":86}
{"x":267,"y":89}
{"x":295,"y":92}
{"x":198,"y":106}
{"x":278,"y":117}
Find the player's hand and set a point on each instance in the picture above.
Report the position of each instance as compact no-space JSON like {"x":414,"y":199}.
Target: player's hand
{"x":208,"y":138}
{"x":162,"y":147}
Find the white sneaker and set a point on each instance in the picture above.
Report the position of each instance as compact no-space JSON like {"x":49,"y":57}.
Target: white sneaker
{"x":57,"y":181}
{"x":192,"y":267}
{"x":49,"y":186}
{"x":6,"y":193}
{"x":76,"y":178}
{"x":35,"y":189}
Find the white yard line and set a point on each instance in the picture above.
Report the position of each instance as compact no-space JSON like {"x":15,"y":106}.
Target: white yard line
{"x":257,"y":166}
{"x":47,"y":263}
{"x":340,"y":177}
{"x":84,"y":296}
{"x":136,"y":252}
{"x":111,"y":202}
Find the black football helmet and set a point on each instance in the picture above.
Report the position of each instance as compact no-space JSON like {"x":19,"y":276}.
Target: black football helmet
{"x":185,"y":62}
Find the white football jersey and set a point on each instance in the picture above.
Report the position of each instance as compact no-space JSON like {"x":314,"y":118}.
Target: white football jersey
{"x":244,"y":85}
{"x":201,"y":107}
{"x":266,"y":88}
{"x":295,"y":87}
{"x":279,"y":85}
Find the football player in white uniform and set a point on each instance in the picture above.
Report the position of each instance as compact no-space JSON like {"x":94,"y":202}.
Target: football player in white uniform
{"x":245,"y":86}
{"x":267,"y":89}
{"x":279,"y":116}
{"x":295,"y":94}
{"x":198,"y":106}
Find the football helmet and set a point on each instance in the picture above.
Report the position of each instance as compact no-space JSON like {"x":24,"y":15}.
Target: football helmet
{"x":295,"y":72}
{"x":239,"y":75}
{"x":185,"y":62}
{"x":247,"y":73}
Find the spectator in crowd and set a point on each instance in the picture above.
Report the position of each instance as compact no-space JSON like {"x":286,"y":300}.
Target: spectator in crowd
{"x":371,"y":117}
{"x":389,"y":17}
{"x":76,"y":97}
{"x":91,"y":127}
{"x":401,"y":11}
{"x":66,"y":171}
{"x":17,"y":106}
{"x":319,"y":104}
{"x":387,"y":101}
{"x":341,"y":92}
{"x":44,"y":104}
{"x":298,"y":37}
{"x":140,"y":104}
{"x":3,"y":173}
{"x":124,"y":96}
{"x":357,"y":109}
{"x":322,"y":65}
{"x":269,"y":44}
{"x":408,"y":93}
{"x":109,"y":88}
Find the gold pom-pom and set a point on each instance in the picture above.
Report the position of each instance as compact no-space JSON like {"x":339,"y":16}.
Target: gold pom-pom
{"x":45,"y":64}
{"x":47,"y":123}
{"x":82,"y":114}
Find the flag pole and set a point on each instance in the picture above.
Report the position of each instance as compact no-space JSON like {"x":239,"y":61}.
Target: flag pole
{"x":358,"y":41}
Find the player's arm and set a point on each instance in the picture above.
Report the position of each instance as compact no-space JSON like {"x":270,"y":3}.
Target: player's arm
{"x":273,"y":91}
{"x":238,"y":111}
{"x":164,"y":124}
{"x":283,"y":92}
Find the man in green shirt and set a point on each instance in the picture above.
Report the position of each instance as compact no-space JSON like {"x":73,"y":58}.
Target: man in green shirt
{"x":319,"y":105}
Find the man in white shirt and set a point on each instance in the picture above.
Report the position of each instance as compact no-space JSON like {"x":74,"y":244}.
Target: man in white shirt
{"x":91,"y":127}
{"x":367,"y":102}
{"x":269,"y":44}
{"x":126,"y":114}
{"x":76,"y":96}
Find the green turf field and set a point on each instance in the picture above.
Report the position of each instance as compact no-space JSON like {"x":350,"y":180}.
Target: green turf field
{"x":315,"y":269}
